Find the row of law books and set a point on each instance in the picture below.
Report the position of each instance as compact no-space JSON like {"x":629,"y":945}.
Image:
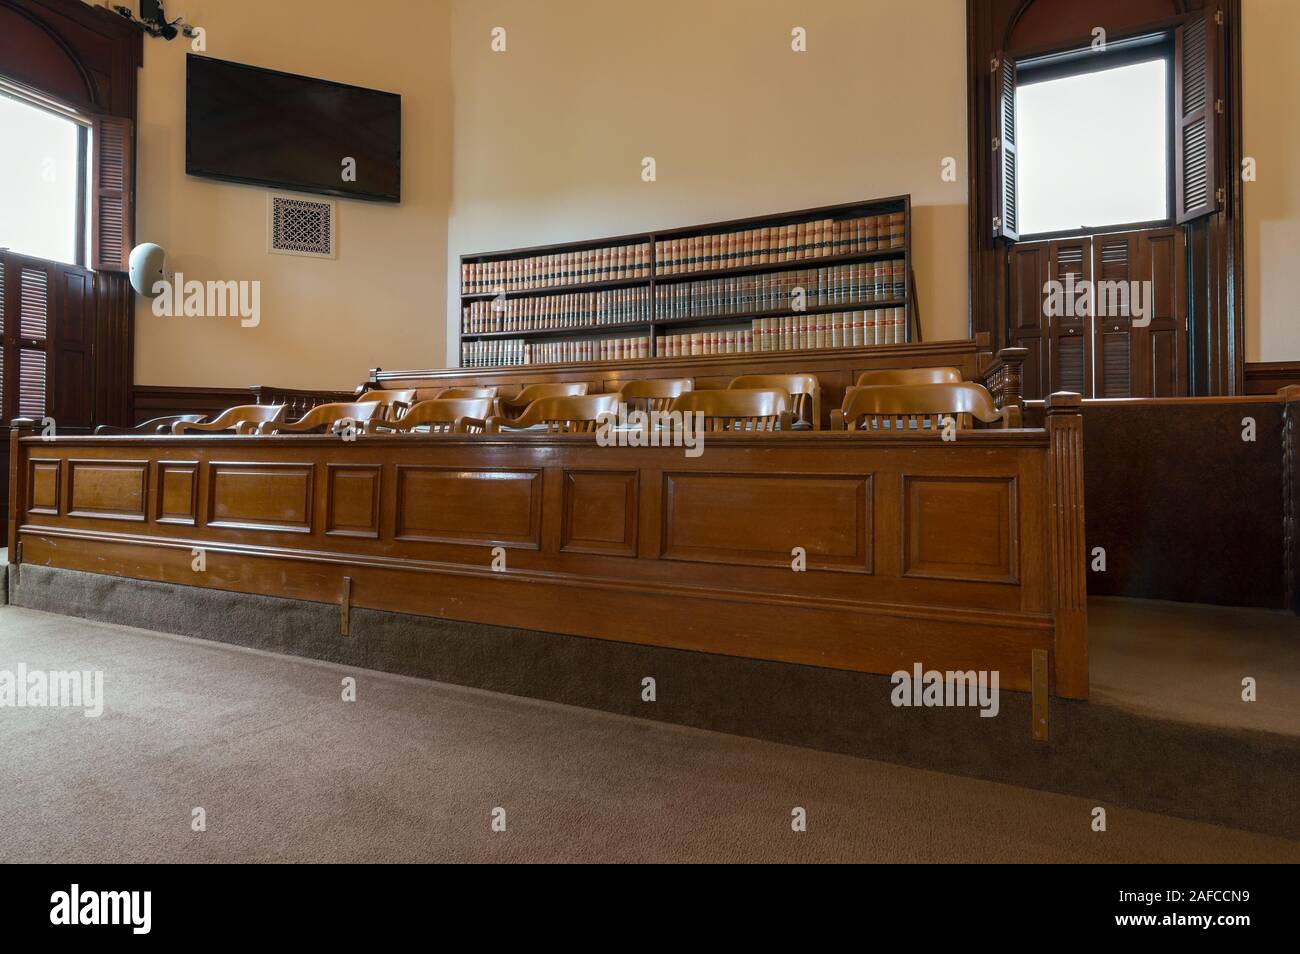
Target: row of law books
{"x":570,"y":310}
{"x":516,"y":351}
{"x":845,"y":329}
{"x":840,"y":329}
{"x":556,"y":269}
{"x":779,"y":243}
{"x":799,"y":290}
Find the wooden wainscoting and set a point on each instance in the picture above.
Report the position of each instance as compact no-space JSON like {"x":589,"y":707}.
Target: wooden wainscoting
{"x":959,"y":555}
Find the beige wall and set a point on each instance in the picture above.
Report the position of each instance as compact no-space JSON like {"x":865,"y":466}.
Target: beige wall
{"x":1271,"y":135}
{"x":550,"y":134}
{"x":323,"y":322}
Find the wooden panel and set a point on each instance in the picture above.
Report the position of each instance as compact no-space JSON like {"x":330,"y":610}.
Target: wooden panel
{"x":178,"y":492}
{"x":112,"y":490}
{"x":600,"y":512}
{"x":265,"y":496}
{"x":43,"y":485}
{"x":747,"y":519}
{"x":352,"y":502}
{"x":961,"y":528}
{"x":482,"y":507}
{"x":703,"y":544}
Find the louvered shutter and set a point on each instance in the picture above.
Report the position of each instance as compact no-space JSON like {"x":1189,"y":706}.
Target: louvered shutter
{"x":1002,"y":89}
{"x":3,"y":345}
{"x":34,"y":288}
{"x":112,"y":206}
{"x":1070,"y":263}
{"x":1195,"y":106}
{"x":1114,"y":315}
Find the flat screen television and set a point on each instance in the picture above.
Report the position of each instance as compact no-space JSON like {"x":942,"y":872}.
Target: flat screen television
{"x":263,"y":127}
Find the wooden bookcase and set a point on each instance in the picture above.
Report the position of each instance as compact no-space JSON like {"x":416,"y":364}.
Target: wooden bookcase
{"x":647,"y":272}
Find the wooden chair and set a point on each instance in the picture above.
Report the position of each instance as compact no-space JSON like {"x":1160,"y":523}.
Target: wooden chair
{"x":894,"y":376}
{"x":916,"y":407}
{"x":751,"y":411}
{"x":243,"y":419}
{"x":440,"y":416}
{"x":324,"y":417}
{"x":513,"y":407}
{"x":805,"y":394}
{"x":157,"y":425}
{"x":571,"y":414}
{"x":653,"y":394}
{"x":394,"y":403}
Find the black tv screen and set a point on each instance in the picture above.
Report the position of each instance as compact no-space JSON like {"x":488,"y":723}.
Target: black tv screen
{"x":244,"y":124}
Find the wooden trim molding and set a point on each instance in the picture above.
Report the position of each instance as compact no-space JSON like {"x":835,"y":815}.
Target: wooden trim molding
{"x":1269,"y":377}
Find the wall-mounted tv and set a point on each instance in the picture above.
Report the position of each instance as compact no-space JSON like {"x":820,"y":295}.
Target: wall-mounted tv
{"x":263,"y":127}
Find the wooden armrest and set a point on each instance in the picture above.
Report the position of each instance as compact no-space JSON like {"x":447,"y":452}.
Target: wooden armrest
{"x":493,"y":424}
{"x":784,"y":423}
{"x":837,"y":420}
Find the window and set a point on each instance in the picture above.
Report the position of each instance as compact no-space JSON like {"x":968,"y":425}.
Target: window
{"x":42,"y":182}
{"x":1093,"y":148}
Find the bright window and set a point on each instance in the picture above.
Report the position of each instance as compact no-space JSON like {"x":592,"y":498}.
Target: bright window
{"x":41,"y":182}
{"x":1093,"y":149}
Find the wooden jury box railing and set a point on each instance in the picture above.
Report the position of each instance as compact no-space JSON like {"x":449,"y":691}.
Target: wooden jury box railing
{"x":958,"y":555}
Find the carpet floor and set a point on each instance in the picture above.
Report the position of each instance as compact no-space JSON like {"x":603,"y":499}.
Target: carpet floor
{"x":286,"y":771}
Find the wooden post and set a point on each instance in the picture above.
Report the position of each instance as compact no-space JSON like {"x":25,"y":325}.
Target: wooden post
{"x":1290,"y":398}
{"x":1005,"y":380}
{"x":1069,"y":544}
{"x":19,"y":427}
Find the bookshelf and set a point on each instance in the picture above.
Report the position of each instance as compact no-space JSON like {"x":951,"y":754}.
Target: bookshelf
{"x":835,"y":277}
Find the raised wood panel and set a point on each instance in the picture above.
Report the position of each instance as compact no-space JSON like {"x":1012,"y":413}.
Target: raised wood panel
{"x":43,"y":485}
{"x":263,"y":496}
{"x":961,"y":528}
{"x":480,"y":507}
{"x":111,"y":490}
{"x":352,"y":500}
{"x":178,"y":492}
{"x":747,"y":519}
{"x":600,"y":512}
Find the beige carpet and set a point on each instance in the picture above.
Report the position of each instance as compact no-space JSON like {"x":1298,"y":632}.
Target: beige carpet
{"x":412,"y":771}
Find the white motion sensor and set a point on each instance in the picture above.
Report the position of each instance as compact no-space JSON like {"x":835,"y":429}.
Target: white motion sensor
{"x":146,"y":267}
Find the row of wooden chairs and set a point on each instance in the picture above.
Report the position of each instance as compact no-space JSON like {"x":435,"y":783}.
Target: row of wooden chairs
{"x":890,"y":400}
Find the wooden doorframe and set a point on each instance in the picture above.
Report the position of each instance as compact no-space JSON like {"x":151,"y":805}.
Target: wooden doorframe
{"x":1215,"y":275}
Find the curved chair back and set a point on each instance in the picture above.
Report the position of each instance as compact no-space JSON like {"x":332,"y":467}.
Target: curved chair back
{"x":394,"y":403}
{"x":750,"y":410}
{"x":653,"y":394}
{"x":805,"y":393}
{"x":242,"y":419}
{"x":513,"y":407}
{"x":917,"y":407}
{"x":157,"y":425}
{"x":325,"y":417}
{"x":440,"y":416}
{"x":571,"y":414}
{"x":894,"y":376}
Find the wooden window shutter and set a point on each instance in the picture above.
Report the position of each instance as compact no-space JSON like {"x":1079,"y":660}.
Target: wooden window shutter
{"x":1002,"y":96}
{"x":1195,"y":104}
{"x":112,"y":205}
{"x":34,"y":290}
